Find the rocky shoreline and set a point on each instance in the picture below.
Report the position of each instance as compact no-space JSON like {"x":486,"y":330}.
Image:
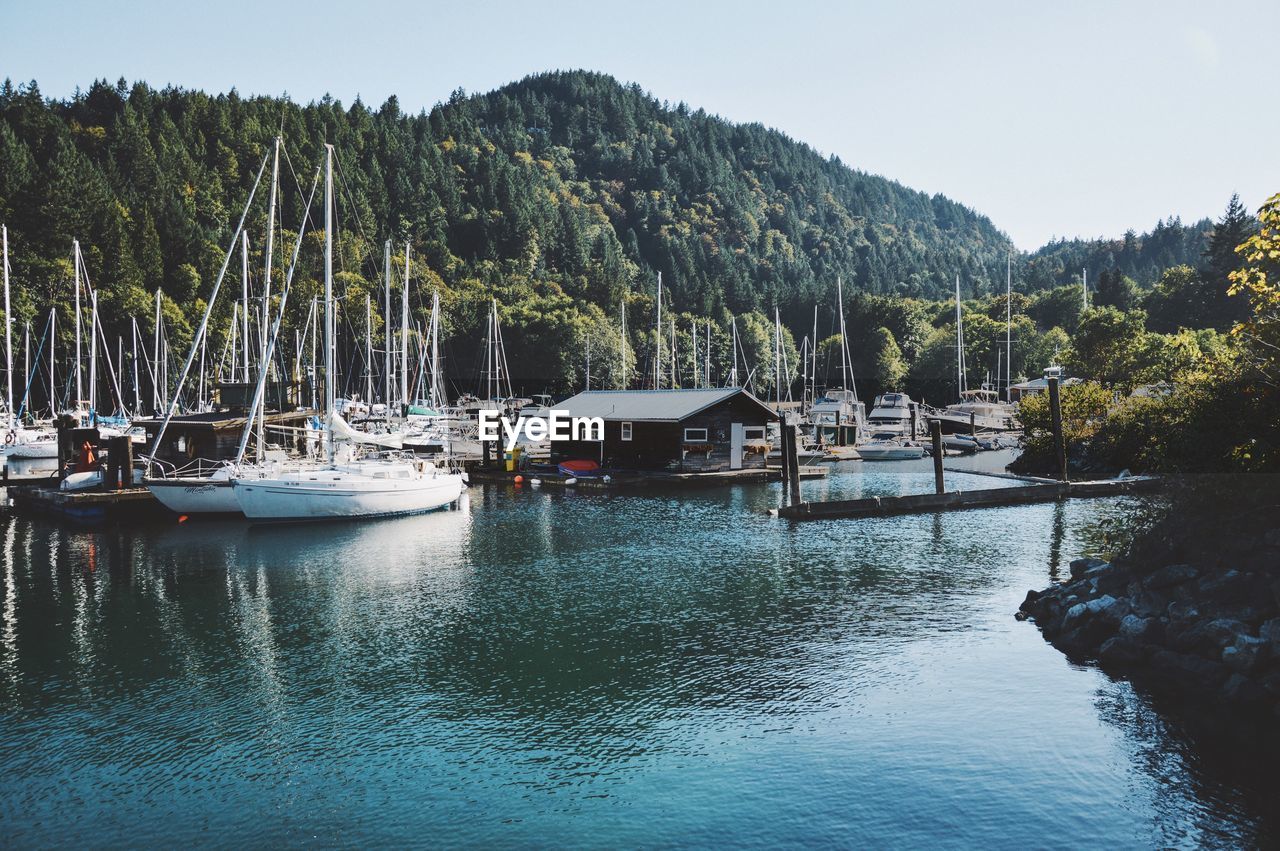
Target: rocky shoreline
{"x":1204,"y":626}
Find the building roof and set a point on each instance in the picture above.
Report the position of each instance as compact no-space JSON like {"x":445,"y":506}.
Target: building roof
{"x":1037,"y":384}
{"x":663,"y":406}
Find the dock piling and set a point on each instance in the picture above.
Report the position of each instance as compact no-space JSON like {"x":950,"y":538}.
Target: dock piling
{"x":1055,"y":413}
{"x":935,"y":433}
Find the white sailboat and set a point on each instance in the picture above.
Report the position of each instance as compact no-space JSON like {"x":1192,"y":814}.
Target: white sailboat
{"x":20,"y":443}
{"x":206,"y":489}
{"x":382,"y":485}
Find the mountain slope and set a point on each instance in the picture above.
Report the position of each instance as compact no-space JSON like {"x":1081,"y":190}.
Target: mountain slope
{"x":568,"y":177}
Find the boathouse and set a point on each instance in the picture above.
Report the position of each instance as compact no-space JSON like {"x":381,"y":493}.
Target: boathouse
{"x":687,"y":431}
{"x":215,"y":436}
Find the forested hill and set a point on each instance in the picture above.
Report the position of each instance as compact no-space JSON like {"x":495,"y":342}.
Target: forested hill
{"x":1140,"y":257}
{"x":566,"y":177}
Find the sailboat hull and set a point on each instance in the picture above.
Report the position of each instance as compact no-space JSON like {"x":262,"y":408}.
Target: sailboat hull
{"x":330,"y":494}
{"x":194,"y":495}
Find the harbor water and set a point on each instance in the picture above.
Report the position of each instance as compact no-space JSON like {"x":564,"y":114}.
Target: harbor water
{"x":560,"y":668}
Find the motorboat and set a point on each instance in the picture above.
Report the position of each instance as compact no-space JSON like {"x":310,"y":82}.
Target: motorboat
{"x":889,"y":446}
{"x":892,"y":412}
{"x":978,"y":410}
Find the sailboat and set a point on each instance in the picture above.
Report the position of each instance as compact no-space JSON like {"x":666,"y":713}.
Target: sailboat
{"x":981,"y":409}
{"x":206,"y":489}
{"x":345,"y":485}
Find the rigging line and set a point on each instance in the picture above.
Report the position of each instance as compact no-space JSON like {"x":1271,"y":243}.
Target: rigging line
{"x":365,"y":244}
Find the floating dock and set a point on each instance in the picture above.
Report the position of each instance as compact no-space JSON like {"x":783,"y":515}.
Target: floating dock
{"x":87,"y":506}
{"x":622,"y":480}
{"x":1041,"y":491}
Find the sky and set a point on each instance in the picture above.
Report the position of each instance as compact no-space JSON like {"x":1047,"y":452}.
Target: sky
{"x":1055,"y":119}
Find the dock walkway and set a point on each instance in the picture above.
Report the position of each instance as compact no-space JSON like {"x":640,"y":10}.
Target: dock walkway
{"x":1040,"y":491}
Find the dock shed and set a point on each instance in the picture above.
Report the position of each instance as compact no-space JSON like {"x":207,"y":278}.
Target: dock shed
{"x":687,"y":431}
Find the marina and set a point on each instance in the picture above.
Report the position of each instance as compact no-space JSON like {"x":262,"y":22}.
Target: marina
{"x":877,"y":446}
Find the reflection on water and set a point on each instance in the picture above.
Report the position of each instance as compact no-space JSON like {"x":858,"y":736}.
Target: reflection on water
{"x":574,"y":667}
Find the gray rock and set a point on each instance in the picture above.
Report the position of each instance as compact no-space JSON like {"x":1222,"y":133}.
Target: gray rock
{"x":1208,"y":638}
{"x":1081,"y":566}
{"x":1243,"y":655}
{"x":1121,"y":651}
{"x":1173,"y":574}
{"x":1108,"y":607}
{"x":1136,"y":628}
{"x":1188,"y":671}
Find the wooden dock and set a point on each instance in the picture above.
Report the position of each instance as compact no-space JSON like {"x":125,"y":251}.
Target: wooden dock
{"x":87,"y":506}
{"x":617,"y":481}
{"x":1041,"y":491}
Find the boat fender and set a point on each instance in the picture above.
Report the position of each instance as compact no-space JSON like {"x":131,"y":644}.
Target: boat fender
{"x":533,"y":483}
{"x":570,"y":481}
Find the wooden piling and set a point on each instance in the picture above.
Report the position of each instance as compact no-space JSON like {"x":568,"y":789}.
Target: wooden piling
{"x":793,"y":461}
{"x":935,"y":433}
{"x":1055,"y":413}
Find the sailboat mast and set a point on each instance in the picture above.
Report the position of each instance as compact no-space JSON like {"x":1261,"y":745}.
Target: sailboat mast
{"x":694,"y":337}
{"x":386,"y":321}
{"x":673,"y":354}
{"x":137,"y":391}
{"x":1084,"y":288}
{"x":79,"y":378}
{"x":437,"y":392}
{"x":330,"y":386}
{"x":1008,"y":325}
{"x":93,"y":351}
{"x":8,"y":324}
{"x":959,"y":342}
{"x":244,"y":313}
{"x":53,"y":345}
{"x":733,"y":344}
{"x":155,"y":358}
{"x":622,"y":346}
{"x":404,"y":332}
{"x":368,"y":349}
{"x":657,"y":362}
{"x":266,"y":298}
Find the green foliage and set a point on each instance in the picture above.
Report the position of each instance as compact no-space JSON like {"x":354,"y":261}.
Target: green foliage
{"x":891,"y":367}
{"x":1084,"y":408}
{"x":1057,"y":308}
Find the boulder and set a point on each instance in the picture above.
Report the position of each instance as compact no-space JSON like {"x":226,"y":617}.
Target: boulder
{"x":1208,"y":637}
{"x":1243,"y":655}
{"x":1081,"y":566}
{"x":1191,"y":672}
{"x":1140,"y":629}
{"x":1173,"y":574}
{"x":1122,"y":651}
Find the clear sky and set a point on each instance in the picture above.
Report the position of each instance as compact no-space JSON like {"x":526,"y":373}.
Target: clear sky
{"x":1053,"y":118}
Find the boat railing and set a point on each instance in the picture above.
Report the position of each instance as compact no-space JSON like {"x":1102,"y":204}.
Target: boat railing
{"x":198,"y":468}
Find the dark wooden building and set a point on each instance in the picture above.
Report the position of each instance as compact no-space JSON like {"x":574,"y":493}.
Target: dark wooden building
{"x":679,"y":430}
{"x":214,"y":436}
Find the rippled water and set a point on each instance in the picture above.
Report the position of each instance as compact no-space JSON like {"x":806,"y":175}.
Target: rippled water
{"x":555,"y":668}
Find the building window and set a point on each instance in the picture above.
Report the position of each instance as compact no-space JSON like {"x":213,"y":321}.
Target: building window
{"x":626,"y":431}
{"x":695,"y":435}
{"x":753,"y":433}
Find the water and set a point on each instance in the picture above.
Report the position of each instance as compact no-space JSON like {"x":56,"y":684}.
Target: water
{"x":578,"y":669}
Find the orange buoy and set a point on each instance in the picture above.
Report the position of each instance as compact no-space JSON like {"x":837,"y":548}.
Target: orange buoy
{"x":182,"y":519}
{"x":519,"y":479}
